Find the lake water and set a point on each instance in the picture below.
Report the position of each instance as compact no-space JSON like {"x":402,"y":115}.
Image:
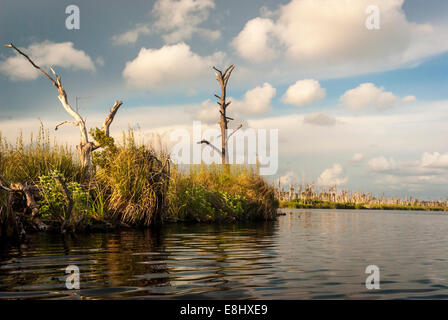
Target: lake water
{"x":306,"y":254}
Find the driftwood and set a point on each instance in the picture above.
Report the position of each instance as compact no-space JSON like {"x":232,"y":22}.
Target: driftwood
{"x":85,"y":146}
{"x":20,"y":209}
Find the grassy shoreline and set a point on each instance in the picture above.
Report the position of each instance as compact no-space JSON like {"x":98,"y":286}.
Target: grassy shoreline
{"x":319,"y":204}
{"x":131,"y":186}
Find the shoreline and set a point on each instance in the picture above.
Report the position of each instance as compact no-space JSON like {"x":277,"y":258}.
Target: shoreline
{"x":352,"y":206}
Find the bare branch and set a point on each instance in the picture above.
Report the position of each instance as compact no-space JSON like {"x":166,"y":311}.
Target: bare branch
{"x":64,"y":122}
{"x":209,"y":144}
{"x":228,"y":73}
{"x":238,"y":128}
{"x":229,"y":69}
{"x":217,"y":70}
{"x":34,"y":65}
{"x":111,"y":116}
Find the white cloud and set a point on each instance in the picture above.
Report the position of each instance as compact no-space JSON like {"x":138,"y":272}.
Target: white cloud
{"x":175,"y":21}
{"x":169,"y":65}
{"x":367,"y":95}
{"x":181,"y":19}
{"x":431,"y":169}
{"x":409,"y":99}
{"x":289,"y":178}
{"x":256,"y":101}
{"x":253,"y":41}
{"x":435,"y":160}
{"x":207,"y":112}
{"x":131,"y":36}
{"x":411,"y":183}
{"x":304,"y":92}
{"x":45,"y":54}
{"x":430,"y":164}
{"x":331,"y":36}
{"x":332,"y":176}
{"x":319,"y":119}
{"x":381,"y":164}
{"x":357,"y":157}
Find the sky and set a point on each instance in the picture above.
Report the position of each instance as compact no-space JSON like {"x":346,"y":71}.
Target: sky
{"x":362,"y":108}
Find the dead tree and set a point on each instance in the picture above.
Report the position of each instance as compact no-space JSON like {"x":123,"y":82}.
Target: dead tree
{"x":85,"y":146}
{"x":223,"y":79}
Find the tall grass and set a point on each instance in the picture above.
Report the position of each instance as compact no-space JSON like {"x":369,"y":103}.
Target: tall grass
{"x":133,"y":183}
{"x":26,"y":161}
{"x":135,"y":180}
{"x":214,"y":193}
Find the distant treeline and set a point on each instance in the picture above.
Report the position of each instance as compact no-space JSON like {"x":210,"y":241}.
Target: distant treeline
{"x":319,"y":204}
{"x":312,"y":196}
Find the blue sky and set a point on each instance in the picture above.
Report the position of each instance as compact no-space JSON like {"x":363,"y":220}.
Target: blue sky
{"x":366,"y":108}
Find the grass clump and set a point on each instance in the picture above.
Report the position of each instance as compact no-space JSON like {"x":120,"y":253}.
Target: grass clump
{"x":211,"y":193}
{"x":135,"y":181}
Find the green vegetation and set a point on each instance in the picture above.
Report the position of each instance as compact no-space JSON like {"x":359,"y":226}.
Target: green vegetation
{"x":211,"y":193}
{"x":322,"y":204}
{"x":53,"y":202}
{"x":131,"y":184}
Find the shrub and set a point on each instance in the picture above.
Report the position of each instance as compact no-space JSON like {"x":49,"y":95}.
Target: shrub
{"x":53,"y":203}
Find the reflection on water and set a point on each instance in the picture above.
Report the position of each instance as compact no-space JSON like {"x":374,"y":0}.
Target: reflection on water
{"x":317,"y":254}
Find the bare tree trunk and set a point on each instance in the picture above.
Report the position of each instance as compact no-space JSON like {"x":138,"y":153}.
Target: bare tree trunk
{"x":223,"y":79}
{"x":85,"y":146}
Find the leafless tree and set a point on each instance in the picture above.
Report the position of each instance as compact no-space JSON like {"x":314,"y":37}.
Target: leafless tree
{"x":85,"y":146}
{"x":223,"y":79}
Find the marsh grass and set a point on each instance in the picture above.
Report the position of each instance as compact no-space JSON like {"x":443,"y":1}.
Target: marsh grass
{"x":133,"y":183}
{"x":135,"y":179}
{"x":27,"y":161}
{"x":213,"y":193}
